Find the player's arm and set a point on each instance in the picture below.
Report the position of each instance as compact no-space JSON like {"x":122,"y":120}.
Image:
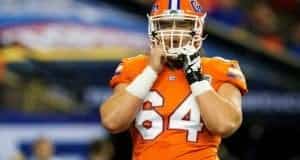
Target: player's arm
{"x":118,"y":111}
{"x":221,"y":110}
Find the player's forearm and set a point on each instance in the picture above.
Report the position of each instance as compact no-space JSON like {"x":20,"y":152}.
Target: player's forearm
{"x":220,"y":115}
{"x":118,"y":112}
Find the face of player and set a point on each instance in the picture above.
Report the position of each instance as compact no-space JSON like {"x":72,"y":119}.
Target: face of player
{"x":97,"y":157}
{"x":43,"y":150}
{"x":172,"y":35}
{"x":175,"y":33}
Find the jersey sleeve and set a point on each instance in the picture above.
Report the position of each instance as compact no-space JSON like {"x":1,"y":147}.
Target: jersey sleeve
{"x":121,"y":75}
{"x":127,"y":70}
{"x":230,"y":72}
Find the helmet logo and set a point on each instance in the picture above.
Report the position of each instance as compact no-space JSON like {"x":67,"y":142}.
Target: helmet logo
{"x":154,"y":8}
{"x":196,"y":6}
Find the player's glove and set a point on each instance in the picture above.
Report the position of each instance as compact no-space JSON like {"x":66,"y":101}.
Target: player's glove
{"x":191,"y":60}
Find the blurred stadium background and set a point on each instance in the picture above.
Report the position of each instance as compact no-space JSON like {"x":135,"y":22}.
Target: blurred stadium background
{"x":57,"y":57}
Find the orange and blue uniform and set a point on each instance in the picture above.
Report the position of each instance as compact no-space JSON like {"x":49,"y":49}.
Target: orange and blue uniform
{"x":168,"y":125}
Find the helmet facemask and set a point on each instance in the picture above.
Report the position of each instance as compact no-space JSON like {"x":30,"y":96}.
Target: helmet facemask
{"x":174,"y":30}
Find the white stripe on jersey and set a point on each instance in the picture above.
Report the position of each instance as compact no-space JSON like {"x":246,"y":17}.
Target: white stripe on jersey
{"x":174,"y":4}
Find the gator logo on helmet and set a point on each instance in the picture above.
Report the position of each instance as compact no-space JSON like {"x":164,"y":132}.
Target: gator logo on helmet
{"x":154,"y":8}
{"x":196,"y":6}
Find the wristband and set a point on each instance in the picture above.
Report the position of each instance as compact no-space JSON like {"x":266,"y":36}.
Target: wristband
{"x":141,"y":85}
{"x":200,"y":87}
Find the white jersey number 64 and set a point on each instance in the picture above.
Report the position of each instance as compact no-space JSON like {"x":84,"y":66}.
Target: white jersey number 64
{"x":192,"y":125}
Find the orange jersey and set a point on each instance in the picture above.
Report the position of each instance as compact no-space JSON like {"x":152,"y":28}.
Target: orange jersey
{"x":168,"y":125}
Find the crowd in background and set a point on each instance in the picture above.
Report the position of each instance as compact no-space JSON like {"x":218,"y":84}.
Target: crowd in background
{"x":43,"y":148}
{"x":275,"y":22}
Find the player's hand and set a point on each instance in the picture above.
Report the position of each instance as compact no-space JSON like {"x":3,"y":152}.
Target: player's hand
{"x":157,"y":58}
{"x":191,"y":60}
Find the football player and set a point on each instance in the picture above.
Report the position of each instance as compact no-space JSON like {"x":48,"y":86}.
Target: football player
{"x":177,"y":104}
